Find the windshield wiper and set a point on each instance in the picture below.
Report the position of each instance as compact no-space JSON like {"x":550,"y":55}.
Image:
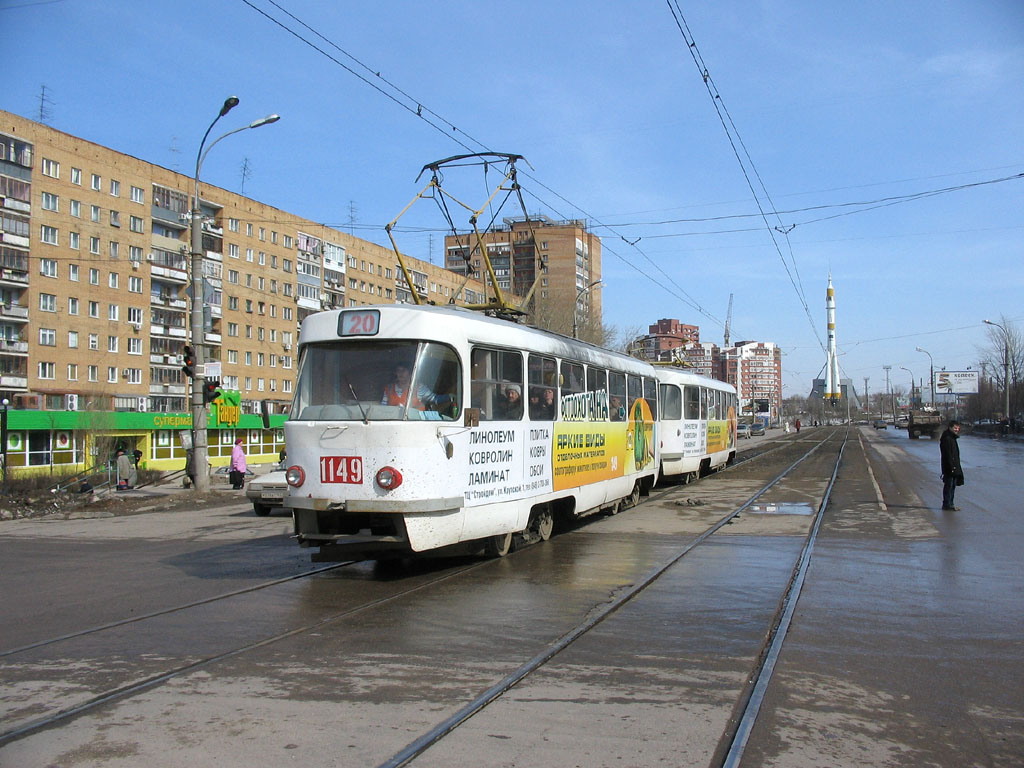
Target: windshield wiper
{"x":356,"y":398}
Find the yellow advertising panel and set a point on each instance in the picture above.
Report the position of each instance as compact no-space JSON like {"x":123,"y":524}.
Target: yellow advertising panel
{"x":718,"y":436}
{"x":588,"y":452}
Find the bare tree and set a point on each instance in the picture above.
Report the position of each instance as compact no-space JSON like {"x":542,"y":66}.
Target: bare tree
{"x":1002,"y":360}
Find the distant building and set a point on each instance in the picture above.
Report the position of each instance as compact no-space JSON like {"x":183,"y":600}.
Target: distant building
{"x":668,"y":335}
{"x":564,"y":254}
{"x":753,"y":367}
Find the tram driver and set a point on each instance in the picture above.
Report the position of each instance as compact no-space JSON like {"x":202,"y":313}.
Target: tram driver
{"x":397,"y":392}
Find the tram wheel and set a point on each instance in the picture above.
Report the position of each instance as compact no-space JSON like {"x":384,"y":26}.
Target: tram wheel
{"x":634,"y":497}
{"x":544,"y":524}
{"x":498,"y":546}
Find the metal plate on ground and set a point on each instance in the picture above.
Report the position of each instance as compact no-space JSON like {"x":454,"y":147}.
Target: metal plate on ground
{"x":781,"y":508}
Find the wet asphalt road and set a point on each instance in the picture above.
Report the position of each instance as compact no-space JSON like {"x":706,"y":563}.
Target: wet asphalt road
{"x":902,"y":652}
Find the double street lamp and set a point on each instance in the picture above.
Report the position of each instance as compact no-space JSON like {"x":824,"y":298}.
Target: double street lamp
{"x":1006,"y":368}
{"x":904,"y":368}
{"x":200,"y":451}
{"x":931,"y":372}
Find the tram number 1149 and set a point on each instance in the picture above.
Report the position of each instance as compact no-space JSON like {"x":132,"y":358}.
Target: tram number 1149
{"x":341,"y":469}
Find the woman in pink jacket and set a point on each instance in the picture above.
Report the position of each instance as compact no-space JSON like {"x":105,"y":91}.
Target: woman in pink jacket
{"x":238,"y":467}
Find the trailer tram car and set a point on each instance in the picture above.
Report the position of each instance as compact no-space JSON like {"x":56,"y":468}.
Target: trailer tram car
{"x":697,"y":426}
{"x":417,"y":428}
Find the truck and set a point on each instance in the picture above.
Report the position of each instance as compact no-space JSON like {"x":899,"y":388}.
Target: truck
{"x":924,"y":423}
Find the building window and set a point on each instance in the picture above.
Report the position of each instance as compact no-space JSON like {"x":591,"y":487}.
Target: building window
{"x":112,"y":343}
{"x":72,"y":372}
{"x":134,"y":346}
{"x":48,"y":235}
{"x":74,"y":240}
{"x":50,"y":202}
{"x":97,"y":182}
{"x":94,"y":213}
{"x":94,"y":373}
{"x":50,"y":168}
{"x":112,"y":374}
{"x":134,"y":284}
{"x":73,"y":272}
{"x":47,"y":370}
{"x":94,"y":309}
{"x":233,"y":225}
{"x":72,"y":339}
{"x":138,"y":195}
{"x":72,"y":306}
{"x":115,"y":188}
{"x":94,"y":276}
{"x":114,"y":249}
{"x":94,"y":341}
{"x":94,"y":247}
{"x":47,"y":302}
{"x":113,"y":311}
{"x":135,"y":224}
{"x":48,"y":337}
{"x":75,"y":208}
{"x":112,"y":280}
{"x":115,"y":219}
{"x":233,"y":250}
{"x":135,"y":315}
{"x":76,"y":176}
{"x":48,"y":267}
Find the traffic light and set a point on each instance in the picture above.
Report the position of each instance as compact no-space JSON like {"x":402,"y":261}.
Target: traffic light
{"x":188,"y":359}
{"x":211,"y":390}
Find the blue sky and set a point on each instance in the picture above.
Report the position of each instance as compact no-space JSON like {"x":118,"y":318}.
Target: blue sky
{"x":836,"y":104}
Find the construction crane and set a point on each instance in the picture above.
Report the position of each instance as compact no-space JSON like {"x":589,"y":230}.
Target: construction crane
{"x":728,"y":321}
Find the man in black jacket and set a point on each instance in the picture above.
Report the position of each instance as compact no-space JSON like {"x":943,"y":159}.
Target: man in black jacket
{"x":952,"y":472}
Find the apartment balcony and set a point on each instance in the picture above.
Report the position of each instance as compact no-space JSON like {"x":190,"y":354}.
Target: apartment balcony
{"x":171,"y":275}
{"x":168,"y":389}
{"x":9,"y":347}
{"x":14,"y":382}
{"x":212,"y":338}
{"x":14,"y":277}
{"x":14,"y":312}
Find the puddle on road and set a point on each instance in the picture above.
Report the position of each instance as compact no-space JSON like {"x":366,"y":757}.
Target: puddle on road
{"x":781,"y":508}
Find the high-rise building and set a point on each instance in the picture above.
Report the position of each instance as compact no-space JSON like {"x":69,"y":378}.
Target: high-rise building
{"x":95,"y":284}
{"x":565,"y":255}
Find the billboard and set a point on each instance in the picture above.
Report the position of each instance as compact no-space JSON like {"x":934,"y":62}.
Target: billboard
{"x":956,"y":382}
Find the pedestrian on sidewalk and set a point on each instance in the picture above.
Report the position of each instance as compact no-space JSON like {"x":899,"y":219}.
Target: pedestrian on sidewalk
{"x":238,"y":466}
{"x":952,"y":472}
{"x":127,"y":476}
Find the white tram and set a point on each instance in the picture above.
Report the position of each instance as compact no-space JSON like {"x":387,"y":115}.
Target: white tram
{"x":419,"y":427}
{"x":697,"y":424}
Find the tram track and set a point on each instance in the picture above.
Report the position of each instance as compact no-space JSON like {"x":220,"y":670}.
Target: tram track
{"x":735,"y":736}
{"x":131,"y":688}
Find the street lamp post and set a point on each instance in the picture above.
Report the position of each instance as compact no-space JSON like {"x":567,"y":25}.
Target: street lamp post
{"x":1006,"y":369}
{"x":931,"y":373}
{"x":904,"y":368}
{"x":200,"y":451}
{"x":576,"y":306}
{"x":3,"y":438}
{"x":892,"y":402}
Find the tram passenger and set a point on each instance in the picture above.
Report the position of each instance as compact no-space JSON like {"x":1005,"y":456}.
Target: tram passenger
{"x":397,"y":392}
{"x":546,"y":408}
{"x":615,"y":410}
{"x":511,"y":407}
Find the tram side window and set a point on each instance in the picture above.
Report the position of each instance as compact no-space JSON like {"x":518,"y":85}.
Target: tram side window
{"x":713,"y":404}
{"x":635,"y":387}
{"x":671,"y":402}
{"x":617,"y":396}
{"x":703,"y":403}
{"x":573,"y":380}
{"x":597,"y":381}
{"x":651,"y":396}
{"x":542,"y":375}
{"x":497,"y":384}
{"x":691,"y":397}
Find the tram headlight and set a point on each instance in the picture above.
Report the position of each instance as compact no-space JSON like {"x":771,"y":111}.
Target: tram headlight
{"x":294,"y":476}
{"x":389,"y":478}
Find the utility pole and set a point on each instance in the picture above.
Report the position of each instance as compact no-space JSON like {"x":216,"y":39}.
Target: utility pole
{"x":892,"y":403}
{"x":867,"y":400}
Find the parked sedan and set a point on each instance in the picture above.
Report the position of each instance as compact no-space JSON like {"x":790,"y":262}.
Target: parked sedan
{"x":757,"y":428}
{"x":879,"y":424}
{"x":267,"y":492}
{"x":742,"y":430}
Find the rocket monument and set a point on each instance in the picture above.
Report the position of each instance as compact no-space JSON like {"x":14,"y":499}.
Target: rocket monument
{"x":833,"y":391}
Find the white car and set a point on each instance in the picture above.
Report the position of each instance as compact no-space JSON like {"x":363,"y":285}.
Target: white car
{"x":267,"y":492}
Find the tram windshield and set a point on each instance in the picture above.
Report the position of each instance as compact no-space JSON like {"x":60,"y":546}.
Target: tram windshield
{"x":378,"y":381}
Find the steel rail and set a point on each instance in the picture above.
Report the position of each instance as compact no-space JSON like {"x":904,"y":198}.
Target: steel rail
{"x":763,"y":673}
{"x":138,"y":686}
{"x":421,"y":744}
